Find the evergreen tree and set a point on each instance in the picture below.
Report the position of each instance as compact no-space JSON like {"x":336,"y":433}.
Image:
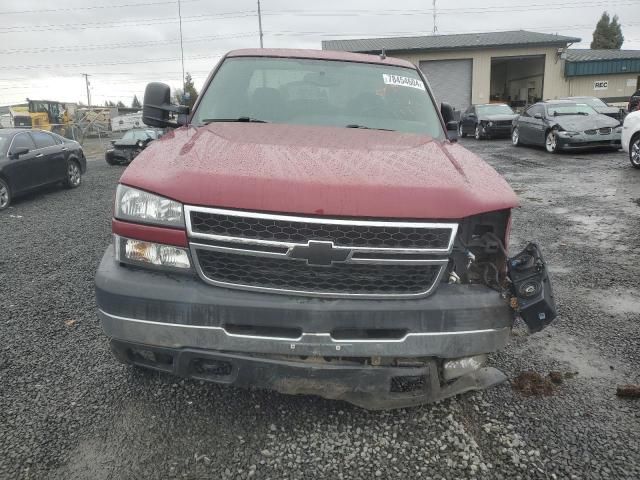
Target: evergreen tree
{"x":135,"y":103}
{"x":608,"y":33}
{"x":120,"y":104}
{"x":191,"y":93}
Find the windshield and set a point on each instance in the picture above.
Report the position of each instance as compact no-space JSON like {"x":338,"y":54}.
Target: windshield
{"x":320,"y":92}
{"x":4,"y":144}
{"x":594,"y":102}
{"x":494,"y":110}
{"x":570,"y":109}
{"x":138,"y":135}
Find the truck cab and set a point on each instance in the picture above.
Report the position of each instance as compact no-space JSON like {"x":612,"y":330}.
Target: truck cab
{"x":311,"y":227}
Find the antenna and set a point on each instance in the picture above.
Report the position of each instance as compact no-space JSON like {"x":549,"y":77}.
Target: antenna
{"x":260,"y":23}
{"x":435,"y":14}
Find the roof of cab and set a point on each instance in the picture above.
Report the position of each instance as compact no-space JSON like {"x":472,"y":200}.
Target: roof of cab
{"x":320,"y":55}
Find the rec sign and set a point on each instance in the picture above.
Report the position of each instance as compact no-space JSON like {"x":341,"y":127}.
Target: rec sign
{"x":601,"y":85}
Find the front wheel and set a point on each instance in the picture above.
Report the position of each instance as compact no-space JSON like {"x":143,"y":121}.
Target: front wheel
{"x":634,"y":151}
{"x":515,"y":137}
{"x":551,"y":142}
{"x":74,"y":176}
{"x":5,"y":195}
{"x":478,"y":134}
{"x":461,"y":133}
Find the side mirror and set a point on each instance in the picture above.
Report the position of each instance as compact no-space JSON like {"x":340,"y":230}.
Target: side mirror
{"x":538,"y":116}
{"x":17,"y":152}
{"x":157,"y":106}
{"x":447,"y":113}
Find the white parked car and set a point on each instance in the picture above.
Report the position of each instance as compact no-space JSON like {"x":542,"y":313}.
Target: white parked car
{"x":631,"y":137}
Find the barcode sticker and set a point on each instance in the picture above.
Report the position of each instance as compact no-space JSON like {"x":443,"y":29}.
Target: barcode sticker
{"x":403,"y":81}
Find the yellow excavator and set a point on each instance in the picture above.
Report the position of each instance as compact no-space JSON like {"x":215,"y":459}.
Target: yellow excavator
{"x":43,"y":114}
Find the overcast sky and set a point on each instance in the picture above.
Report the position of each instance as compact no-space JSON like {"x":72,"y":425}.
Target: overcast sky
{"x":46,"y":45}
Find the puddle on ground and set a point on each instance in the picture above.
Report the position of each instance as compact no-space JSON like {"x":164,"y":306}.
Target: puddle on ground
{"x":613,"y":301}
{"x":582,"y":359}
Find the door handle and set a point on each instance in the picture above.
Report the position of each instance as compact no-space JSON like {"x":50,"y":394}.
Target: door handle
{"x":40,"y":155}
{"x":64,"y":149}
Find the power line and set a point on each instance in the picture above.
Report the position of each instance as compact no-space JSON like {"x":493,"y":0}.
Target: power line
{"x":129,"y":23}
{"x":73,"y":48}
{"x":94,"y":7}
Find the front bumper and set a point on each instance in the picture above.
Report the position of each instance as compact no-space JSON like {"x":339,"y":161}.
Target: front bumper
{"x":284,"y":342}
{"x":583,"y":140}
{"x":497,"y":130}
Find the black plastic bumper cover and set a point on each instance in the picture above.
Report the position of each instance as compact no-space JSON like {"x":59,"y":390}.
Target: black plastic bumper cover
{"x":370,"y":387}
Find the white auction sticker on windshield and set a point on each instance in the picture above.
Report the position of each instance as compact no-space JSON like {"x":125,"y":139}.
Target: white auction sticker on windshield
{"x":402,"y":81}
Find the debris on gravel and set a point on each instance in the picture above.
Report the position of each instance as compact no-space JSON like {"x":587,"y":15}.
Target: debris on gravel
{"x":632,"y":391}
{"x":532,"y":383}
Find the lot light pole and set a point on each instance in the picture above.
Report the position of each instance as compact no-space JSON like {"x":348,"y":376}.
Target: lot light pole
{"x":184,"y":82}
{"x":86,"y":81}
{"x":435,"y":13}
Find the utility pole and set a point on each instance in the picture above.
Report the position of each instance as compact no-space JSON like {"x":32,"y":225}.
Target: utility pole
{"x":184,"y":82}
{"x":260,"y":24}
{"x":435,"y":13}
{"x":86,"y":81}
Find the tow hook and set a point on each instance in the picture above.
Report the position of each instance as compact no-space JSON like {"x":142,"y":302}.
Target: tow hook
{"x":532,"y":288}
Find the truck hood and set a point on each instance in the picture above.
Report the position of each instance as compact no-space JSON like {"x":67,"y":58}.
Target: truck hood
{"x":319,"y":171}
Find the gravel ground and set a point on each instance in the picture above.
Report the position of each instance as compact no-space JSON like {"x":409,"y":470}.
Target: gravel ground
{"x":68,"y":410}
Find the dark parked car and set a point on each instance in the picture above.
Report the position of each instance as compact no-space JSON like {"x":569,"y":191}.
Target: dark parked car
{"x":600,"y":106}
{"x":33,"y":158}
{"x":634,"y":102}
{"x":130,"y":145}
{"x":564,"y":124}
{"x":489,"y":120}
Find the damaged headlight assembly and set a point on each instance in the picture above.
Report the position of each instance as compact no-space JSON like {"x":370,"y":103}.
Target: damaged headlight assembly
{"x":480,"y":256}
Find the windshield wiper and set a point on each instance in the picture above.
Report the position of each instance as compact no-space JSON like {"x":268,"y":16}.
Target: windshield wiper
{"x":207,"y":121}
{"x":353,"y":125}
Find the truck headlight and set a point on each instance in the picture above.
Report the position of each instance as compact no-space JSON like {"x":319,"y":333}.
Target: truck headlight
{"x":491,"y":124}
{"x":139,"y":252}
{"x":143,"y":207}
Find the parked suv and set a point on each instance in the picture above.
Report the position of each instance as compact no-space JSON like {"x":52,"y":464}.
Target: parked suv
{"x":312,"y":229}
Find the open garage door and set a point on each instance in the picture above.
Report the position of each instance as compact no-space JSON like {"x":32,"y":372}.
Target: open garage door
{"x":518,"y":81}
{"x":450,"y":81}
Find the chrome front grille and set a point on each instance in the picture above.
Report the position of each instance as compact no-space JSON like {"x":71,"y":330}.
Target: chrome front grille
{"x":604,"y":131}
{"x":318,"y":256}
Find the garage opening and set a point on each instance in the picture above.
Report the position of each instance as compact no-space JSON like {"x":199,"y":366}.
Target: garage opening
{"x":518,"y":81}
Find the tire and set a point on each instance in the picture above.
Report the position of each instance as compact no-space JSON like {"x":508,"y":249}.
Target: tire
{"x":551,"y":142}
{"x":74,"y":174}
{"x":515,"y":137}
{"x":634,"y":151}
{"x":478,"y":134}
{"x":5,"y":195}
{"x":110,"y":159}
{"x":461,"y":133}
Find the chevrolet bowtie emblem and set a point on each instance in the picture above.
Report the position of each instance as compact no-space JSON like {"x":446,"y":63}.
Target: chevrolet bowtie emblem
{"x":319,"y":253}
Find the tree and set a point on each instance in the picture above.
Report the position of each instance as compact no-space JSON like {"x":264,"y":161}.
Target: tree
{"x":120,"y":104}
{"x":608,"y":33}
{"x":191,"y":92}
{"x":135,"y":103}
{"x":109,"y":103}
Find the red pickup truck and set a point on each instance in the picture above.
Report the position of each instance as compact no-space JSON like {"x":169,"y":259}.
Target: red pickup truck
{"x":312,"y":228}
